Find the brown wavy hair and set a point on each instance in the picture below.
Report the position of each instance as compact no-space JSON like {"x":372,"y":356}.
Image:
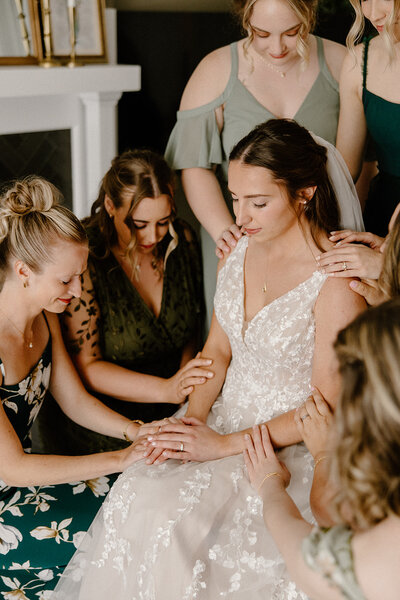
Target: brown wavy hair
{"x":305,"y":11}
{"x":142,"y":174}
{"x":389,"y":279}
{"x":295,"y":159}
{"x":366,"y":461}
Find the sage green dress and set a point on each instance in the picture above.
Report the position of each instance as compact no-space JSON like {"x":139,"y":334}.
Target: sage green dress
{"x":131,"y":336}
{"x":196,"y":140}
{"x":328,"y":552}
{"x":40,"y":526}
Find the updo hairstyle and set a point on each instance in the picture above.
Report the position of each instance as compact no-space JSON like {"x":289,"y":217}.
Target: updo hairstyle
{"x":305,"y":11}
{"x":366,"y":462}
{"x":31,"y":220}
{"x":296,"y":161}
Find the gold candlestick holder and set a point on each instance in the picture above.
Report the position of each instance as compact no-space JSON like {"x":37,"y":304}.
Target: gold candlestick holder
{"x":23,"y":28}
{"x":72,"y":63}
{"x":48,"y":60}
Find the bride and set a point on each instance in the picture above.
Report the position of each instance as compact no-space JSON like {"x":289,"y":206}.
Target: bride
{"x":185,"y":523}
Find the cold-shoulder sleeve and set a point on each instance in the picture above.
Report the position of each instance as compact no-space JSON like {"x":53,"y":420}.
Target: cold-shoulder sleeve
{"x":328,"y":552}
{"x":195,"y":140}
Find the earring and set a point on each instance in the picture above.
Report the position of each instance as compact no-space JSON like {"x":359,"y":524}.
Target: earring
{"x":25,"y":284}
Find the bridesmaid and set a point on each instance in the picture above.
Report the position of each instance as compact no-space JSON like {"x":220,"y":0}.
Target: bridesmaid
{"x":370,"y":100}
{"x":134,"y":332}
{"x":46,"y":502}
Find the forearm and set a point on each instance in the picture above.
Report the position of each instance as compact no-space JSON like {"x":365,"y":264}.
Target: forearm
{"x":322,"y":494}
{"x":130,"y":386}
{"x":282,"y":429}
{"x":89,"y":412}
{"x":204,"y":396}
{"x":206,"y":200}
{"x":31,"y":469}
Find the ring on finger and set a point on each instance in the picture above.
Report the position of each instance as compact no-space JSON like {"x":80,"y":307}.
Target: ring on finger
{"x":344,"y":266}
{"x":303,"y":417}
{"x":181,"y":449}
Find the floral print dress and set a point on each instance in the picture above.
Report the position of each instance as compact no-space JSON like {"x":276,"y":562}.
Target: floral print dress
{"x":40,"y":526}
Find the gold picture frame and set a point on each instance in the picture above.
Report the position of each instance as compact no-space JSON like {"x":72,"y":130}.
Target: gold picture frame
{"x":21,"y":37}
{"x":90,"y":30}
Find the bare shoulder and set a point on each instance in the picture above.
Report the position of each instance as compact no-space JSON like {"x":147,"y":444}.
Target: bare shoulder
{"x":337,"y":298}
{"x":334,"y":55}
{"x":208,"y":80}
{"x":377,"y":558}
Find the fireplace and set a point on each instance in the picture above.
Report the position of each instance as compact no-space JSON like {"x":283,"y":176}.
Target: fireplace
{"x":71,"y":116}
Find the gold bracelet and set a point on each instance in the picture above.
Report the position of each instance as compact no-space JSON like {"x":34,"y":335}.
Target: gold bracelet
{"x":268,"y":475}
{"x":125,"y":432}
{"x":319,"y":460}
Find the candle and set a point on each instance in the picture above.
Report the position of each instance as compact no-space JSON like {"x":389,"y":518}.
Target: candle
{"x":71,"y":3}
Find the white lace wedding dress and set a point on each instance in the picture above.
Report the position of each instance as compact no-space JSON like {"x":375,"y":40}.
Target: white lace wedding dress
{"x":195,"y":531}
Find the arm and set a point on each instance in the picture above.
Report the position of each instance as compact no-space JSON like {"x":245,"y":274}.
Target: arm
{"x":81,"y":331}
{"x":18,"y":468}
{"x":281,"y":515}
{"x":352,"y":128}
{"x":200,"y":185}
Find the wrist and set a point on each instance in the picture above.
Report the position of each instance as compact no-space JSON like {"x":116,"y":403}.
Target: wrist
{"x":131,"y":430}
{"x":233,"y":443}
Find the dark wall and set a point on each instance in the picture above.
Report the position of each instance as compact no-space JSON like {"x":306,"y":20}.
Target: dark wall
{"x":168,"y":46}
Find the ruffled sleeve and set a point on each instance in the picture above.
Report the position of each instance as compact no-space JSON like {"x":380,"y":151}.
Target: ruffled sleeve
{"x":195,"y":140}
{"x":328,"y":552}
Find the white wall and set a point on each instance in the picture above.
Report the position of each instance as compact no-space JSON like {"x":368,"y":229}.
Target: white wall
{"x":173,"y":5}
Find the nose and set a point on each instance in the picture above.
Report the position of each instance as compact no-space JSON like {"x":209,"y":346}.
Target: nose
{"x":151,"y":237}
{"x":75,"y":289}
{"x":276,"y":45}
{"x":241,"y":213}
{"x":374,"y":11}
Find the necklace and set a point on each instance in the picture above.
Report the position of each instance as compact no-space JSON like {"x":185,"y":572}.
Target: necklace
{"x":281,"y":73}
{"x":28,"y":344}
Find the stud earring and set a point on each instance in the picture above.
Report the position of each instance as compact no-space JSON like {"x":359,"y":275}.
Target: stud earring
{"x":25,"y":284}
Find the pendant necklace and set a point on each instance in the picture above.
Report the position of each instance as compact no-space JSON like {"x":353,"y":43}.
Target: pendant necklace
{"x":27,"y":343}
{"x":268,"y":64}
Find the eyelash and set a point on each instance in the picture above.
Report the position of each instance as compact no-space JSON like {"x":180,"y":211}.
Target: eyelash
{"x":266,"y":35}
{"x":143,"y":226}
{"x":254,"y":204}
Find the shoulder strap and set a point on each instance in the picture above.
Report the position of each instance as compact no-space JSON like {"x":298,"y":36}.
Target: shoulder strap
{"x":365,"y":61}
{"x":2,"y":369}
{"x":321,"y":53}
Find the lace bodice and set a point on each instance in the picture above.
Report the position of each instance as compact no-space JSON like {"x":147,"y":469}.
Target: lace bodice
{"x":272,"y":355}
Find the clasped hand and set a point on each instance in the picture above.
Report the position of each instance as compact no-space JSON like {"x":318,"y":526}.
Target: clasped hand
{"x":185,"y":439}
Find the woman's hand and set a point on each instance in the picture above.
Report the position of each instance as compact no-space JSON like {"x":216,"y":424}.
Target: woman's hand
{"x":191,"y":439}
{"x":370,"y":290}
{"x":314,"y":422}
{"x":227,"y":240}
{"x":195,"y":372}
{"x":346,"y":236}
{"x":261,"y":460}
{"x":133,"y":453}
{"x":351,"y":260}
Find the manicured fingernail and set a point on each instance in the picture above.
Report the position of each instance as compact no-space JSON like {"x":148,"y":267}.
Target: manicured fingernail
{"x":153,"y":443}
{"x":317,"y":257}
{"x":148,"y":462}
{"x":246,"y":436}
{"x":210,"y":374}
{"x":338,"y":244}
{"x":353,"y":285}
{"x":208,"y":362}
{"x":149,"y":438}
{"x":263,"y":426}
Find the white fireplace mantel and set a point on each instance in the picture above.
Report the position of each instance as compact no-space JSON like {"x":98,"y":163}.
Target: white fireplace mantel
{"x":82,"y":99}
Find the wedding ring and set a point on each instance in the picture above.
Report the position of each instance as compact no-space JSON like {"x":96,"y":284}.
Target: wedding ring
{"x":182,"y":447}
{"x":304,"y":416}
{"x":344,"y":266}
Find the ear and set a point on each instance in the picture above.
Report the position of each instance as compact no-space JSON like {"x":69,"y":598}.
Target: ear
{"x":109,"y":206}
{"x":306,"y":194}
{"x":22,"y":271}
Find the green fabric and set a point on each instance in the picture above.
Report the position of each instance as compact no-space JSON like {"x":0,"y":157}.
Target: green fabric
{"x":131,"y":336}
{"x":40,"y":526}
{"x":383,"y":121}
{"x":196,"y":142}
{"x":328,"y":551}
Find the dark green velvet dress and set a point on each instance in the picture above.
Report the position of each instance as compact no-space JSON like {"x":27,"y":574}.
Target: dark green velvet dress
{"x":132,"y":336}
{"x":40,"y":526}
{"x":383,"y":121}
